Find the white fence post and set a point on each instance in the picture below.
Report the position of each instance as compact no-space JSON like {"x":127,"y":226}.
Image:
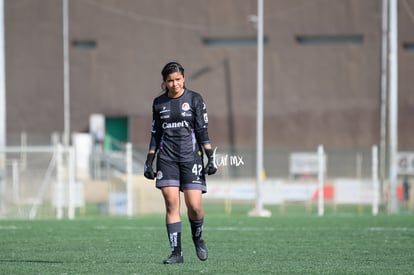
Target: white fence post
{"x":71,"y":183}
{"x":59,"y":192}
{"x":359,"y":166}
{"x":321,"y":178}
{"x":129,"y":179}
{"x":375,"y":185}
{"x":16,"y":181}
{"x":23,"y":153}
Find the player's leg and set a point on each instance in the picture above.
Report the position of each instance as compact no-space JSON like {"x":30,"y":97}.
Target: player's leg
{"x":193,"y":201}
{"x":173,"y":223}
{"x":168,"y":182}
{"x":171,"y":197}
{"x":195,"y":212}
{"x":193,"y":186}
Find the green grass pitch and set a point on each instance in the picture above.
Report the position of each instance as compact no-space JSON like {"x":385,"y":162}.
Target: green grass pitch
{"x":295,"y":242}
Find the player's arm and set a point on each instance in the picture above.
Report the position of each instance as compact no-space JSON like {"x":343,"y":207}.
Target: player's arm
{"x":201,"y":131}
{"x":211,"y":167}
{"x":201,"y":122}
{"x":153,"y":146}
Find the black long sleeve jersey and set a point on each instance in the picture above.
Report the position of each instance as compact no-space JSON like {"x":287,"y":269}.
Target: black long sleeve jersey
{"x":179,"y":126}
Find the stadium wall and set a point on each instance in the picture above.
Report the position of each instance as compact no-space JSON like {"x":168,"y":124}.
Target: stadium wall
{"x":314,"y":93}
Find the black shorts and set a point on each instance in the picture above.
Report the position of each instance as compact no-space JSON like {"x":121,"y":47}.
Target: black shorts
{"x":185,"y":175}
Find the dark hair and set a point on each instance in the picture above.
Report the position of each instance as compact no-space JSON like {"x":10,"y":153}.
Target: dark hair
{"x":171,"y":67}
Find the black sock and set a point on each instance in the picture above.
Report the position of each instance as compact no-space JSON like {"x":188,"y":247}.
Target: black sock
{"x":174,"y":237}
{"x":196,"y":228}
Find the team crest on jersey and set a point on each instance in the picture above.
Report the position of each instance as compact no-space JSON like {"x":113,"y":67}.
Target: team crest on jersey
{"x":159,"y":175}
{"x":185,"y":107}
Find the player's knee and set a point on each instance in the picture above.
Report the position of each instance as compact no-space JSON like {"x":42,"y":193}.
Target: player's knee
{"x":172,"y":208}
{"x":195,"y":212}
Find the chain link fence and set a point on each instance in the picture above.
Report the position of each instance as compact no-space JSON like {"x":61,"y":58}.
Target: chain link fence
{"x":31,"y":172}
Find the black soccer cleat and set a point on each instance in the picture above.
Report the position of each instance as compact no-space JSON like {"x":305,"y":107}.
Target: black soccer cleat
{"x":174,"y":259}
{"x":201,"y":249}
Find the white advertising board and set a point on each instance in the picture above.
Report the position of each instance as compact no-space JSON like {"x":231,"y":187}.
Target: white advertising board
{"x":304,"y":163}
{"x":405,"y":161}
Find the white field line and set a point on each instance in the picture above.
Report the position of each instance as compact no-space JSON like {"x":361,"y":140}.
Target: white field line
{"x":391,"y":229}
{"x":12,"y":227}
{"x":149,"y":228}
{"x":253,"y":229}
{"x":223,"y":228}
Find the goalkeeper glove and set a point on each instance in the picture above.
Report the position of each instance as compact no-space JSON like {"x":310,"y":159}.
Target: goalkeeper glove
{"x":148,"y":171}
{"x":211,"y":167}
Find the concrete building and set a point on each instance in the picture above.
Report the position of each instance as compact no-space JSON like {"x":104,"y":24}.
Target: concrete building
{"x":321,"y":67}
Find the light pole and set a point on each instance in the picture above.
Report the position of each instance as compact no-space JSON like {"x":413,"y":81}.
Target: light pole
{"x":393,"y":105}
{"x":66,"y":87}
{"x":258,"y":210}
{"x":2,"y":103}
{"x":2,"y":81}
{"x":384,"y":89}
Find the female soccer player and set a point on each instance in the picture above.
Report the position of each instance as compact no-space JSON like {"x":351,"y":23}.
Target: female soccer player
{"x":178,"y":136}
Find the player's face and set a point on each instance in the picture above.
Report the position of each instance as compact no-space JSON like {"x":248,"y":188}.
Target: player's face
{"x":175,"y":83}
